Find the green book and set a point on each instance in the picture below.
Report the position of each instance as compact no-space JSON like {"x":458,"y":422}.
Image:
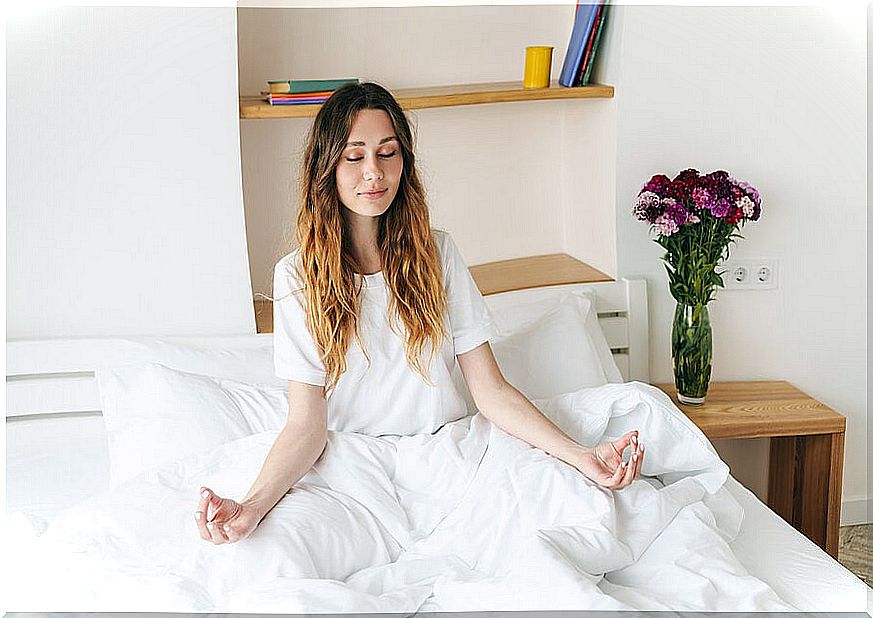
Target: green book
{"x":600,"y":25}
{"x":297,"y":86}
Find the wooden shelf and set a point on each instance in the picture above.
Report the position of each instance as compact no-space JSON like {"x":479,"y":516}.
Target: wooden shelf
{"x":496,"y":277}
{"x":252,"y":107}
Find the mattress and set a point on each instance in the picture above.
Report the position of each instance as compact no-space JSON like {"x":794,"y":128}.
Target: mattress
{"x":797,"y":569}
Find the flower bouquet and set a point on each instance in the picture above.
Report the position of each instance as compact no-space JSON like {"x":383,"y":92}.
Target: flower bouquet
{"x":695,"y":218}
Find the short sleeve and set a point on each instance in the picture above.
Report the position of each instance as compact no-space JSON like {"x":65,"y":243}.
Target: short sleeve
{"x":469,"y":317}
{"x":295,"y":354}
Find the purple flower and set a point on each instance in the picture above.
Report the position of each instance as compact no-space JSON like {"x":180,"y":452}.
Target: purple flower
{"x":718,"y":183}
{"x":675,"y":211}
{"x":722,"y":208}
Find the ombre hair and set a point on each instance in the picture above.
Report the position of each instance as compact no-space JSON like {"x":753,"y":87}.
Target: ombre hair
{"x":410,"y":261}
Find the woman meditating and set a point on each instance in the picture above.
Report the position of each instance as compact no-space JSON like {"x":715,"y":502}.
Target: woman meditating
{"x":370,"y":314}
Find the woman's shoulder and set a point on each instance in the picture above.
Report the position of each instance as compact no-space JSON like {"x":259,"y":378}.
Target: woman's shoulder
{"x":443,"y":241}
{"x":286,"y":273}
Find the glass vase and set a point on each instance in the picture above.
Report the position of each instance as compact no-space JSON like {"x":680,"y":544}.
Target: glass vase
{"x":692,"y":352}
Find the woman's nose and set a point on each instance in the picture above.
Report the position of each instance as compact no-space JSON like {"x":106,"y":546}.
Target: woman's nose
{"x":373,"y":171}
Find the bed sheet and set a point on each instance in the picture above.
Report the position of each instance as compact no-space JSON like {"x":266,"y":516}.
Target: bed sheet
{"x":797,"y":569}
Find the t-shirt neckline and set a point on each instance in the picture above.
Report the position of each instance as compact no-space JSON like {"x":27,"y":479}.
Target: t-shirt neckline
{"x":373,"y":279}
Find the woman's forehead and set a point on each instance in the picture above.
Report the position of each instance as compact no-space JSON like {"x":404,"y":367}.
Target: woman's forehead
{"x":371,"y":126}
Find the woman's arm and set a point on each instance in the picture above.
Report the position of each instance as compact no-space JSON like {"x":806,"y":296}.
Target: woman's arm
{"x":297,"y":447}
{"x":510,"y":410}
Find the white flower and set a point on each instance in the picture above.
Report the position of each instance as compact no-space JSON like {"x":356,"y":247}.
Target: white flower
{"x":747,"y":205}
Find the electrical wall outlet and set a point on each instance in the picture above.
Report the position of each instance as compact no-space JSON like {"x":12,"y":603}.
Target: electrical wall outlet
{"x":750,"y":274}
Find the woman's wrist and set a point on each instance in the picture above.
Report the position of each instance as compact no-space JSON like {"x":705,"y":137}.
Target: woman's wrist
{"x":256,"y":506}
{"x":571,"y":453}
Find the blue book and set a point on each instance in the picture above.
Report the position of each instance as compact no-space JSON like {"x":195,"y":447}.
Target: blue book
{"x":583,"y":26}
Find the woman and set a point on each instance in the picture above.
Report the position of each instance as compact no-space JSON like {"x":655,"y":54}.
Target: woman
{"x":371,"y":312}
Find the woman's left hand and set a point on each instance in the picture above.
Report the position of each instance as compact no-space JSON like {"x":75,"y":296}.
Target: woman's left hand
{"x":602,"y":464}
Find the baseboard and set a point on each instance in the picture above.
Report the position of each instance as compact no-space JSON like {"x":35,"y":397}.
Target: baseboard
{"x":854,"y":512}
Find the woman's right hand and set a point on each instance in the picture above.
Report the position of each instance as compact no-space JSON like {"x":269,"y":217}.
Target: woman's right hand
{"x":222,"y":520}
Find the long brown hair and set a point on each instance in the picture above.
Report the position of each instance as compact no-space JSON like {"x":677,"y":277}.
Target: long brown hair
{"x":410,"y":262}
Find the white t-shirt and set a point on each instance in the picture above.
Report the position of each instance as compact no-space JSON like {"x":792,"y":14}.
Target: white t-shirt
{"x":388,"y":397}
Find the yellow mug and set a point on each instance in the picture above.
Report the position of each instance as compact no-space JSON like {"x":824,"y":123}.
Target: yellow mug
{"x":537,"y":66}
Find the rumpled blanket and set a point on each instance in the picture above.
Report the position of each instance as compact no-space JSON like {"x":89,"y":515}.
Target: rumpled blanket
{"x":468,"y":518}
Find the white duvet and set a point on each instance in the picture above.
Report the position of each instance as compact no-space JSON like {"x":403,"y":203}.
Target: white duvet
{"x":467,"y":518}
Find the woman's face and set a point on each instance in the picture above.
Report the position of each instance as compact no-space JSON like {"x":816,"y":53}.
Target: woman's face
{"x":369,"y":169}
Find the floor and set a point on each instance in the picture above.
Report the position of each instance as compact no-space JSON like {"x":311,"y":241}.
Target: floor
{"x":856,"y":551}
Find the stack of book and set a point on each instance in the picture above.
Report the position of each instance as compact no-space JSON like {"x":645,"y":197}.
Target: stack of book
{"x":587,"y":28}
{"x":302,"y":91}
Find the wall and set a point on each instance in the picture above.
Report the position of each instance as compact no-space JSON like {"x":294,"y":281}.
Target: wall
{"x":533,"y":187}
{"x":776,"y":96}
{"x":124,"y":200}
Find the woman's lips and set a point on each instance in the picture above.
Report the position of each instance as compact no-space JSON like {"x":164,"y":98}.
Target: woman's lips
{"x":374,"y":195}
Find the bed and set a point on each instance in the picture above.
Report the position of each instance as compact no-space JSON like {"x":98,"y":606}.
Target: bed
{"x":64,"y":454}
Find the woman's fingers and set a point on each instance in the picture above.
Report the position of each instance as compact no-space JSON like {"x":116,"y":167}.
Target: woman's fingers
{"x":211,"y":517}
{"x":630,"y":438}
{"x":201,"y":512}
{"x":216,"y":532}
{"x":642,"y":454}
{"x":615,"y":479}
{"x":631,"y":470}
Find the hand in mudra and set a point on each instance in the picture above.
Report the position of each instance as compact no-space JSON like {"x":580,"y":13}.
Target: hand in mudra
{"x":222,"y":520}
{"x":602,"y":464}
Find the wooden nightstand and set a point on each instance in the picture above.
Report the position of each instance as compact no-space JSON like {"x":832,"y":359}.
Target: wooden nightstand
{"x":806,"y":448}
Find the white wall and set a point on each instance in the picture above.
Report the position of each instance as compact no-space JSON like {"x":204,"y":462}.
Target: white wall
{"x":124,"y":201}
{"x":508,"y":179}
{"x":776,"y":96}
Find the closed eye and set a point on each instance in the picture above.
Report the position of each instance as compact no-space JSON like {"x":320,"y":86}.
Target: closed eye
{"x":381,"y":156}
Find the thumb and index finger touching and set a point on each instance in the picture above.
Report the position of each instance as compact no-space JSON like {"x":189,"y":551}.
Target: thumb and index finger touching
{"x":210,"y":516}
{"x":626,"y":440}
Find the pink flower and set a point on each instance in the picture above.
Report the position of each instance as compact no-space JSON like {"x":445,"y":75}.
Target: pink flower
{"x":665,"y":225}
{"x":702,"y":198}
{"x":750,"y":190}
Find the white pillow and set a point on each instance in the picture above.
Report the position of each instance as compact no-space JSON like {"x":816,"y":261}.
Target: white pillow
{"x":553,"y":355}
{"x":515,"y":311}
{"x":250,"y":361}
{"x":155,"y":414}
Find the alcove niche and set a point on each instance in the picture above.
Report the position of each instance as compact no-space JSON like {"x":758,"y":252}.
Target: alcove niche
{"x":507,"y":179}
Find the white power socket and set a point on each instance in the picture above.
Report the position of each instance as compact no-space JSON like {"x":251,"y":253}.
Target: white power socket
{"x":751,"y":274}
